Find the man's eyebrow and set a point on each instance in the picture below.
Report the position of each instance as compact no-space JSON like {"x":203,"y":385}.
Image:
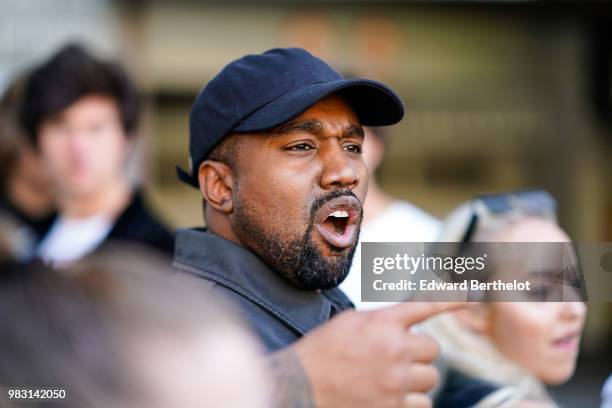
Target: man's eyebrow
{"x":313,"y":126}
{"x":352,"y":131}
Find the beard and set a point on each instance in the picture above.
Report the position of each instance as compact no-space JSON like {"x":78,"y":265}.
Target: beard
{"x":296,"y":257}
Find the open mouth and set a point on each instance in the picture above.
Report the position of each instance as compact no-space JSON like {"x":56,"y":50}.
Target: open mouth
{"x":337,"y":221}
{"x":568,"y":342}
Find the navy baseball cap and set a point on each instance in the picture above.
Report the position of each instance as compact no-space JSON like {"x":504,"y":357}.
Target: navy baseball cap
{"x":259,"y":92}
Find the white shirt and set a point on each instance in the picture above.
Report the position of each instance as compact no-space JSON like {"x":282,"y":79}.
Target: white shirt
{"x":70,"y":239}
{"x":606,"y":394}
{"x":400,"y":222}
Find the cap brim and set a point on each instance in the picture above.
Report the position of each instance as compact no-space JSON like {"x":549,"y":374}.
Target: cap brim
{"x":374,"y":104}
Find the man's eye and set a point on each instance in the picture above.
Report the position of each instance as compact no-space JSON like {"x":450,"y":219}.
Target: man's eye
{"x":301,"y":147}
{"x":354,"y":148}
{"x":97,"y":128}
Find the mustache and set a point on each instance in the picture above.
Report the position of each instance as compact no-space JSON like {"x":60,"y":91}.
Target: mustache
{"x":320,"y":201}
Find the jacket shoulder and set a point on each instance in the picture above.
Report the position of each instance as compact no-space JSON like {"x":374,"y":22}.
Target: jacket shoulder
{"x":138,"y":223}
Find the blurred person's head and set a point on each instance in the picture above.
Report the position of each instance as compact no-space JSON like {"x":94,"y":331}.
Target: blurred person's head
{"x":374,"y":149}
{"x":9,"y":140}
{"x":283,"y":174}
{"x":119,"y":331}
{"x":21,"y":177}
{"x":374,"y":153}
{"x":541,"y":337}
{"x":80,"y":113}
{"x":510,"y":342}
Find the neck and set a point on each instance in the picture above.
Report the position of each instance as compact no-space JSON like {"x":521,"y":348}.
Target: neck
{"x":33,"y":201}
{"x":377,"y":201}
{"x":109,"y":201}
{"x":219,"y":224}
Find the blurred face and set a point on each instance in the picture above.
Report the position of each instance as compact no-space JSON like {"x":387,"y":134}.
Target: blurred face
{"x":542,"y":337}
{"x":220,"y":369}
{"x":298,"y":194}
{"x":84,"y":147}
{"x":373,"y":150}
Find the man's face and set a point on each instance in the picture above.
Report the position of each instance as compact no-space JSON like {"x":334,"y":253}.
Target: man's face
{"x":298,"y":194}
{"x":84,"y":147}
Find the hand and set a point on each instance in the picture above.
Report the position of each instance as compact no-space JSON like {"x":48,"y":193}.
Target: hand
{"x":372,"y":359}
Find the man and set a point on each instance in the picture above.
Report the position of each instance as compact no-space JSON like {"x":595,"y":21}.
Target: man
{"x":81,"y":114}
{"x":386,"y":218}
{"x":275,"y":149}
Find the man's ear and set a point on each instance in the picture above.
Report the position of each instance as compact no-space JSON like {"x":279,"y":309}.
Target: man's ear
{"x":475,"y":317}
{"x":216,"y":184}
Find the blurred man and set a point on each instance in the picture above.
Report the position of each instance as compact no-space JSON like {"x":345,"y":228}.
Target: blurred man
{"x":386,"y":219}
{"x":275,"y":149}
{"x":81,"y":114}
{"x":26,"y":205}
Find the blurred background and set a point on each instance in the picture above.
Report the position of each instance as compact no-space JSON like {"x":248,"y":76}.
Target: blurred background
{"x":500,"y":95}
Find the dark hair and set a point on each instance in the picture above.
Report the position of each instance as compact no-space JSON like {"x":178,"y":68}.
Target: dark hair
{"x":70,"y":75}
{"x":225,"y":151}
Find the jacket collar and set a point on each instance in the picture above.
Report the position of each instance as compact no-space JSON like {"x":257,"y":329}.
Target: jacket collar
{"x":238,"y":269}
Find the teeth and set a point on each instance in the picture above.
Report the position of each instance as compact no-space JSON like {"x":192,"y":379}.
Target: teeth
{"x":339,"y":214}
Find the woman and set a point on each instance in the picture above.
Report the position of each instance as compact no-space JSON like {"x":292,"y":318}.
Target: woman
{"x":502,"y":354}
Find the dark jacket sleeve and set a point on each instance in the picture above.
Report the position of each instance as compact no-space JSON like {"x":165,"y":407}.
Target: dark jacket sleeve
{"x":138,"y":224}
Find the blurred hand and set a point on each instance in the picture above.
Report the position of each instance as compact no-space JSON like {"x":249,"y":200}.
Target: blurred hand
{"x":372,"y":359}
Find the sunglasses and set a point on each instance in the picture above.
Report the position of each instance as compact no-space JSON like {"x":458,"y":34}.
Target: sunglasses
{"x":487,"y":207}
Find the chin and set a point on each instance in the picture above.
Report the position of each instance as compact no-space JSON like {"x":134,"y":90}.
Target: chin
{"x":333,"y":252}
{"x":559,"y":376}
{"x":83,"y":187}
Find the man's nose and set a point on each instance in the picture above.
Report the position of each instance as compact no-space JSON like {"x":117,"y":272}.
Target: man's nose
{"x":339,"y":170}
{"x":76,"y":139}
